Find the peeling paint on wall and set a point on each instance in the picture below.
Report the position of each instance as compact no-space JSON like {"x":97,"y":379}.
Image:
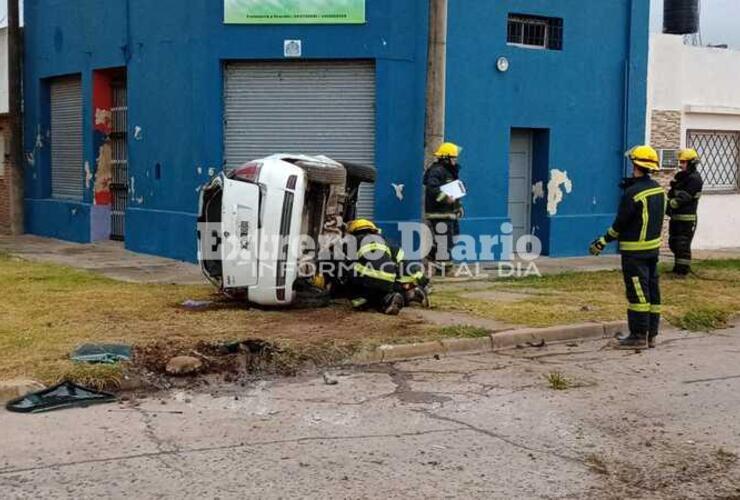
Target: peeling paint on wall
{"x":39,"y":138}
{"x":138,"y":133}
{"x":104,"y":175}
{"x":31,"y":155}
{"x":88,"y":175}
{"x":538,"y":191}
{"x":559,"y":185}
{"x":103,"y":118}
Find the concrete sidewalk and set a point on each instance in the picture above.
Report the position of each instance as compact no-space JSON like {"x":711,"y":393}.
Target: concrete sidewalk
{"x":108,"y":258}
{"x":111,"y":259}
{"x":661,"y":425}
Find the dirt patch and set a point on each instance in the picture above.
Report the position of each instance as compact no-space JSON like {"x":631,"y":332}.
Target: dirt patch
{"x":679,"y":473}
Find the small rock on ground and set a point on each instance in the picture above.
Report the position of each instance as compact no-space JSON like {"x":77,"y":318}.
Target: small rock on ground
{"x":184,"y":365}
{"x":12,"y":389}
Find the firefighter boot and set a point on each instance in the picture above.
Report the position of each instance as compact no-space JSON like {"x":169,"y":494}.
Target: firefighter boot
{"x":632,"y":342}
{"x":654,"y":330}
{"x":393,"y":304}
{"x":417,"y":295}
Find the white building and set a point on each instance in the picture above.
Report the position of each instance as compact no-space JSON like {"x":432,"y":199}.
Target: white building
{"x":694,"y":101}
{"x":4,"y":102}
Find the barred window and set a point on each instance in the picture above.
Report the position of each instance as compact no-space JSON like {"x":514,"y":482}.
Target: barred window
{"x":535,"y":31}
{"x":720,"y":158}
{"x":668,"y":159}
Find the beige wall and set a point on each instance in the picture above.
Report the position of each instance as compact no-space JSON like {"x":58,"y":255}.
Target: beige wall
{"x":696,"y":88}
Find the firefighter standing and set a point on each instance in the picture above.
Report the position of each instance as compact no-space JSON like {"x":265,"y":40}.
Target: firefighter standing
{"x":683,"y":202}
{"x":374,"y":271}
{"x":442,"y":212}
{"x":638,"y":228}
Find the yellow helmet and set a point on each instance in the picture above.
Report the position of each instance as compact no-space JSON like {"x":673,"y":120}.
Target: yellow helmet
{"x":448,"y":150}
{"x":645,"y":157}
{"x":359,"y":225}
{"x":688,"y":155}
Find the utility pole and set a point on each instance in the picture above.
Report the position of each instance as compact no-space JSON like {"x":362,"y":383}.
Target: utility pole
{"x":15,"y":48}
{"x":436,"y":78}
{"x":434,"y":130}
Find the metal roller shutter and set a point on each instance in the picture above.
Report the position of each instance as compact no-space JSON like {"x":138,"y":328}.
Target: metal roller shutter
{"x":66,"y":138}
{"x":325,"y":107}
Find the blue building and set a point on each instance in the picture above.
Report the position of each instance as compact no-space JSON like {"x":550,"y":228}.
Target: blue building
{"x":131,"y":105}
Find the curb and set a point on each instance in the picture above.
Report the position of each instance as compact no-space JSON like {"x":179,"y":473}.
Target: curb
{"x":494,"y":342}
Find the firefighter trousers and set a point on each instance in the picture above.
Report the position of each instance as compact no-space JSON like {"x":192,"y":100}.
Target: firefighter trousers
{"x":444,"y":232}
{"x":371,"y":293}
{"x":680,"y":239}
{"x":642,"y":282}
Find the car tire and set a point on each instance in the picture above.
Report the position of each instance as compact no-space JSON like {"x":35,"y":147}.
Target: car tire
{"x":324,"y":174}
{"x":361,"y":173}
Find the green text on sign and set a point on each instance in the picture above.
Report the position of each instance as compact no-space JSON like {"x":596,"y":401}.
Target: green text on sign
{"x":294,"y":11}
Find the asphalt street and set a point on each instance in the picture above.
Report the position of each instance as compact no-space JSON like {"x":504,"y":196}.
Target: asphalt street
{"x":661,"y":424}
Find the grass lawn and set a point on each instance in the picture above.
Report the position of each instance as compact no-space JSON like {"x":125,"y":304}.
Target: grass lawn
{"x":48,"y":310}
{"x":702,"y":302}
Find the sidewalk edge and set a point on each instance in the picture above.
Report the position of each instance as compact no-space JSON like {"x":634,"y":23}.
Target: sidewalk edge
{"x":493,"y":342}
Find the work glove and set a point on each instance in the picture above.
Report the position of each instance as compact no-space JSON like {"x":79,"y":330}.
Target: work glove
{"x":597,"y":246}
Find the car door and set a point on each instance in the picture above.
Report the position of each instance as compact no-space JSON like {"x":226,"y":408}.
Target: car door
{"x":240,"y":234}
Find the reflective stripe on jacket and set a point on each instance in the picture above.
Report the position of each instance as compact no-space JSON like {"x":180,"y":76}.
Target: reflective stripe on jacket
{"x":639,"y":223}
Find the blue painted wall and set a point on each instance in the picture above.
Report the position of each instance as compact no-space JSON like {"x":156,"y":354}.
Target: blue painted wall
{"x":580,"y":96}
{"x":174,"y":51}
{"x":584,"y":105}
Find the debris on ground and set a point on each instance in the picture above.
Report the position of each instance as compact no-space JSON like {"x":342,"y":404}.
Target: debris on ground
{"x":196,"y":305}
{"x":328,"y":380}
{"x":102,"y":353}
{"x":184,"y":365}
{"x":59,"y":397}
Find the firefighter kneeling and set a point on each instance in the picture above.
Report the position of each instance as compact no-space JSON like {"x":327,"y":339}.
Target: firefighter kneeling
{"x":373,"y":280}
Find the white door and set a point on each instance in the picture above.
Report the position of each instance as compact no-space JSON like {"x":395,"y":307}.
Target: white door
{"x":240,"y":233}
{"x":520,"y":183}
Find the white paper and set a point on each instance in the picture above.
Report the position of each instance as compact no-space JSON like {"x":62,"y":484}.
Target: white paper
{"x":455,"y":190}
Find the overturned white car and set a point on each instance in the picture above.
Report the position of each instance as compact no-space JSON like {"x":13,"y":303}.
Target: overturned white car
{"x":256,"y":223}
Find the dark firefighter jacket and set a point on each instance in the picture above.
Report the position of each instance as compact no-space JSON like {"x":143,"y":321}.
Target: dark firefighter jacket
{"x":686,"y":189}
{"x":639,"y":223}
{"x":437,"y":175}
{"x":374,"y":266}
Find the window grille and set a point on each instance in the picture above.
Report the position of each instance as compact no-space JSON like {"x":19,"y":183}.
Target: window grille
{"x":719,"y":152}
{"x":668,"y":159}
{"x":535,"y":31}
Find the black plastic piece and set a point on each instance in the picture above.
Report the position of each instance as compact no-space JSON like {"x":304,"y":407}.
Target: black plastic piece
{"x":59,"y":397}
